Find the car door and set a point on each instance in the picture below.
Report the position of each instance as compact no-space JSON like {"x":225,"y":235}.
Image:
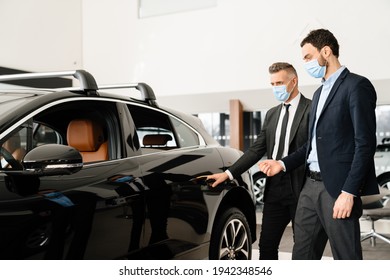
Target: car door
{"x":179,"y":206}
{"x":92,"y":214}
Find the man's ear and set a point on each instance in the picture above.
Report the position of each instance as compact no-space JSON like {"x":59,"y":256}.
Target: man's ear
{"x":327,"y":51}
{"x":295,"y":81}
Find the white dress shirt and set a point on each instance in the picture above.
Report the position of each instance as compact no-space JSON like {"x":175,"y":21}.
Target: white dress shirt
{"x":326,"y":88}
{"x":292,"y":110}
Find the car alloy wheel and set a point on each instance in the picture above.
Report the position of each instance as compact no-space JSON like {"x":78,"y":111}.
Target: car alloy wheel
{"x":231,"y":239}
{"x":259,"y":181}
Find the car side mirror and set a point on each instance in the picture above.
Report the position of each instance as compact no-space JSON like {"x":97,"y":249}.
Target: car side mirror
{"x":45,"y":160}
{"x":49,"y":160}
{"x":52,"y":159}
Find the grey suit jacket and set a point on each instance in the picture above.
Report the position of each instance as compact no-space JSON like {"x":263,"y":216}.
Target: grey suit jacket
{"x":265,"y":141}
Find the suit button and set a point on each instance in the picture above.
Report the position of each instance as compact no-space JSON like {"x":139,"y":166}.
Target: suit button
{"x":319,"y":137}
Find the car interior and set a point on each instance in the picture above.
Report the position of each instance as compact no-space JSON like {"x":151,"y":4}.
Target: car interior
{"x":89,"y":127}
{"x":88,"y":138}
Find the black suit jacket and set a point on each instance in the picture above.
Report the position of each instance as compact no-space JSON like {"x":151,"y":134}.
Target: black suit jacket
{"x":265,"y":142}
{"x":345,"y":137}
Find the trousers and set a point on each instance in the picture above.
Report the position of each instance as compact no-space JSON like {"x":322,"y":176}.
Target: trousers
{"x":276,"y":217}
{"x":314,"y":226}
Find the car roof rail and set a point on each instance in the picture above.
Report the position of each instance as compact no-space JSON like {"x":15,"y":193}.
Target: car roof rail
{"x":86,"y":80}
{"x":147,"y":93}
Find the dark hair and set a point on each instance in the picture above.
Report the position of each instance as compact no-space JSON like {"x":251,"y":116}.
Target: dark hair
{"x":279,"y":66}
{"x":320,"y":38}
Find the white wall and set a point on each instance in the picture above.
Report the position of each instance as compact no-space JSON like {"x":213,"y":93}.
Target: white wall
{"x":40,"y":35}
{"x":225,"y":51}
{"x":212,"y":54}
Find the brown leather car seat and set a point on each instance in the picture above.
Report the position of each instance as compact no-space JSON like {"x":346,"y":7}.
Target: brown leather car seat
{"x":13,"y":146}
{"x":87,"y":136}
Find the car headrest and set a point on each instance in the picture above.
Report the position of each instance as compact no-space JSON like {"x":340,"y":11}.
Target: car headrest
{"x":156,"y":139}
{"x":85,"y":135}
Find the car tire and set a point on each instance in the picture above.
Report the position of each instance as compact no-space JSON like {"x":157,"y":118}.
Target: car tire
{"x":259,"y":181}
{"x":384,"y":182}
{"x":231,"y":238}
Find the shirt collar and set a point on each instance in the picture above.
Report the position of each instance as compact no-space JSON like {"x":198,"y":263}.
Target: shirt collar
{"x":332,"y":79}
{"x":295,"y":101}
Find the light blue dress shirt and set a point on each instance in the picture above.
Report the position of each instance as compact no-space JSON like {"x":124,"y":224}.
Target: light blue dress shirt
{"x":326,"y":88}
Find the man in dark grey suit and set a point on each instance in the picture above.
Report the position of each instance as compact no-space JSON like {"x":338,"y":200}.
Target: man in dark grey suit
{"x":284,"y":130}
{"x":339,"y":155}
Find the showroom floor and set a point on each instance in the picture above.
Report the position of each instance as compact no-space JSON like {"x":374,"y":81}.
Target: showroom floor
{"x":380,"y":252}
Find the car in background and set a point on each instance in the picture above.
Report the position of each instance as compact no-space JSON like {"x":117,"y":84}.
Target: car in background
{"x":259,"y":180}
{"x":382,"y":154}
{"x":382,"y":167}
{"x":88,"y":174}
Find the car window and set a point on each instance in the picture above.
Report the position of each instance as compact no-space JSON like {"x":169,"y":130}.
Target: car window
{"x":158,"y":130}
{"x":46,"y":135}
{"x":17,"y":144}
{"x":186,"y":136}
{"x":14,"y":148}
{"x":90,"y":126}
{"x":153,"y":127}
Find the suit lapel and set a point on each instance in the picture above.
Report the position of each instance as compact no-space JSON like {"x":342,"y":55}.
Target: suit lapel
{"x":316,"y":98}
{"x":334,"y":89}
{"x":273,"y":122}
{"x":299,"y":113}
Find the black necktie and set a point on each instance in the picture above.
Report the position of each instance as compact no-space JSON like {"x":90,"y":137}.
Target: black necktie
{"x":283,"y":133}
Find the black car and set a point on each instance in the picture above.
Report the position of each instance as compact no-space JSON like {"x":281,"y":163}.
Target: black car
{"x":87,"y":174}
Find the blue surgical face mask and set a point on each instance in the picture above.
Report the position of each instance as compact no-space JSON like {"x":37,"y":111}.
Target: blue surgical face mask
{"x":315,"y":69}
{"x":281,"y":93}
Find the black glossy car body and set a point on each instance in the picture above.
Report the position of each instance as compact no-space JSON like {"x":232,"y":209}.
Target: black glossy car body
{"x":144,"y":201}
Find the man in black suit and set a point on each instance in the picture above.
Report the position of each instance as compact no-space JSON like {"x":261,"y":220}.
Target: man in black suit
{"x":284,"y":130}
{"x":339,"y":155}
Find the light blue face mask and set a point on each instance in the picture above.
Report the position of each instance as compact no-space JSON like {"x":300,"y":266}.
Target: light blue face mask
{"x":281,"y":93}
{"x":315,"y":69}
